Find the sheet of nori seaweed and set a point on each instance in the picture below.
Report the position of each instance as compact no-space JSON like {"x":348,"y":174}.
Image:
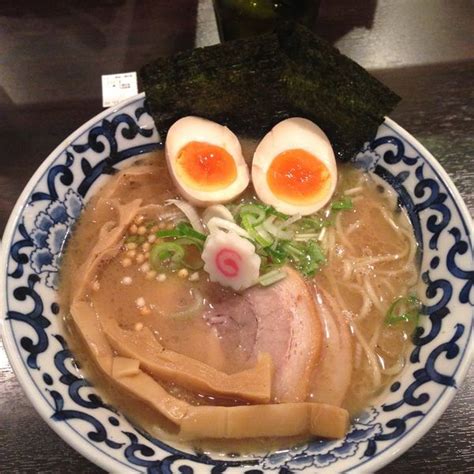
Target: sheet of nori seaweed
{"x":238,"y":83}
{"x":327,"y":87}
{"x":252,"y":84}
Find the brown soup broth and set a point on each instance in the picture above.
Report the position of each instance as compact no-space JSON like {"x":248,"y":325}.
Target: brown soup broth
{"x":370,"y":262}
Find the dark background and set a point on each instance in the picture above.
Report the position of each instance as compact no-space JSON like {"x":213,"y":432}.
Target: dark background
{"x":52,"y":54}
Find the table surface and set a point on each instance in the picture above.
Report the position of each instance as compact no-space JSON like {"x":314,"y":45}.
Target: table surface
{"x":53,"y":53}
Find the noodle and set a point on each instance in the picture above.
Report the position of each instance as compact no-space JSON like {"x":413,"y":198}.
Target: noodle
{"x":352,"y":228}
{"x":357,"y":355}
{"x":386,"y":283}
{"x":366,"y":307}
{"x":348,"y":268}
{"x":353,"y":191}
{"x":341,"y":234}
{"x":364,"y":261}
{"x":372,"y":295}
{"x":373,"y":363}
{"x":370,"y":262}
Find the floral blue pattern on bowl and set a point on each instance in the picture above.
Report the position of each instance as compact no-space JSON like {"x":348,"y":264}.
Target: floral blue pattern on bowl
{"x":33,"y":334}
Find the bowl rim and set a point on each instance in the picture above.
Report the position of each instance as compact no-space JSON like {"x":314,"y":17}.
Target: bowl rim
{"x":429,"y":419}
{"x":63,"y":430}
{"x":104,"y":460}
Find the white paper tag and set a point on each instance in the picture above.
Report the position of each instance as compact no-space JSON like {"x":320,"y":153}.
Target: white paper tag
{"x":118,"y":87}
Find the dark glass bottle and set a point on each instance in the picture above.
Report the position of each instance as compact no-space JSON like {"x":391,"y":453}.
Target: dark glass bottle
{"x":243,"y":18}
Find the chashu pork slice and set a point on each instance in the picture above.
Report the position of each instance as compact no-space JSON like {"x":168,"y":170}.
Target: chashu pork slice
{"x":333,"y":371}
{"x":280,"y":320}
{"x":197,"y":422}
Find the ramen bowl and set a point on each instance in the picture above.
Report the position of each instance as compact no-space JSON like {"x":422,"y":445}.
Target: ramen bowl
{"x":34,"y":336}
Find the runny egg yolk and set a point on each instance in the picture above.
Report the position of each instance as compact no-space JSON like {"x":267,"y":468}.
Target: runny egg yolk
{"x":205,"y":166}
{"x":298,"y":177}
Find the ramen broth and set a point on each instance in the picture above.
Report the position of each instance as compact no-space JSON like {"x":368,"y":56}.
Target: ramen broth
{"x":371,"y":255}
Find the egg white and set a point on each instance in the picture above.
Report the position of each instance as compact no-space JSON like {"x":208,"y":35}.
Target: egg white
{"x":293,"y":133}
{"x":190,"y":129}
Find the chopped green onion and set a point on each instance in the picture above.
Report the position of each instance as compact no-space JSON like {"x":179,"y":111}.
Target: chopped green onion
{"x":235,"y":209}
{"x":306,"y":256}
{"x":183,"y":229}
{"x":311,"y":223}
{"x":188,"y":231}
{"x":278,"y":254}
{"x":260,"y":235}
{"x":263,"y":236}
{"x":276,"y":230}
{"x":198,"y":264}
{"x":278,"y":238}
{"x":254,"y":213}
{"x":404,"y":309}
{"x":312,"y":260}
{"x":168,"y":233}
{"x":305,"y":237}
{"x":166,"y":251}
{"x":271,"y":277}
{"x":273,"y":212}
{"x":294,"y":250}
{"x":190,"y":241}
{"x":345,"y":203}
{"x":174,"y":252}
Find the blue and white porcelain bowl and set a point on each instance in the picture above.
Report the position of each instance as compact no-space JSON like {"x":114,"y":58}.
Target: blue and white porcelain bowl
{"x":33,"y":334}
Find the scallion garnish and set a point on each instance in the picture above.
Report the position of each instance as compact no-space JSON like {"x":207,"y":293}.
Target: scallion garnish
{"x":166,"y":252}
{"x":279,"y":239}
{"x":250,"y":217}
{"x":307,"y":256}
{"x":183,"y":229}
{"x":196,"y":263}
{"x":183,"y":235}
{"x":271,"y":277}
{"x":188,"y":231}
{"x":271,"y":211}
{"x":257,"y":233}
{"x":306,"y":224}
{"x":277,"y":254}
{"x":344,"y":203}
{"x":404,"y":309}
{"x":255,"y":213}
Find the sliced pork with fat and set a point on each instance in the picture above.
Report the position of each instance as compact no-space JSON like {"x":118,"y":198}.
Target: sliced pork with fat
{"x":332,"y":374}
{"x":280,"y":320}
{"x":286,"y":419}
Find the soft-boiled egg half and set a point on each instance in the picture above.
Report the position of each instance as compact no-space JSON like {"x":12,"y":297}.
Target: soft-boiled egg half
{"x":205,"y":161}
{"x":294,"y":168}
